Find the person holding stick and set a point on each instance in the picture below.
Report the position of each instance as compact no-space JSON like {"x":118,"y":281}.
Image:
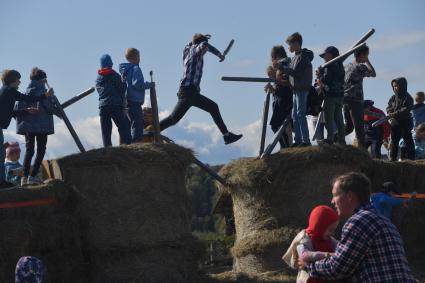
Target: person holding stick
{"x":375,"y":136}
{"x":9,"y":94}
{"x":353,"y":93}
{"x":189,"y":92}
{"x":282,"y":95}
{"x":330,"y":80}
{"x":36,"y":127}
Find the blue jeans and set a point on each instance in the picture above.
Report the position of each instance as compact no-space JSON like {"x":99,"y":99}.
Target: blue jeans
{"x":115,"y":113}
{"x":299,"y":112}
{"x":136,"y":120}
{"x":2,"y":157}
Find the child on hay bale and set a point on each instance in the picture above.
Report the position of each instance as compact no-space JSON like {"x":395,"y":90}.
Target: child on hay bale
{"x":282,"y":95}
{"x":30,"y":270}
{"x":111,"y":91}
{"x":136,"y":86}
{"x":420,"y":142}
{"x":13,"y":169}
{"x":9,"y":94}
{"x":375,"y":136}
{"x":36,"y":127}
{"x":315,"y":242}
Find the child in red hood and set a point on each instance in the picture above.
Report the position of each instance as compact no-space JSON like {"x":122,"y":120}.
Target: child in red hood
{"x":314,"y":243}
{"x":377,"y":136}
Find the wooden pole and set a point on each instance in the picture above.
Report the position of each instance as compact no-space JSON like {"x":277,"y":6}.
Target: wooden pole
{"x":265,"y":119}
{"x":276,"y":138}
{"x":77,"y":98}
{"x":248,"y":79}
{"x":154,"y":105}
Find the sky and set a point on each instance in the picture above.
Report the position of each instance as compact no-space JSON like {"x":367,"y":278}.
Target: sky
{"x":67,"y":38}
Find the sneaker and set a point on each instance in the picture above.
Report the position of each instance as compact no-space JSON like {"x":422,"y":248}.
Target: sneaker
{"x":6,"y":185}
{"x":34,"y":181}
{"x":231,"y":138}
{"x":24,"y":181}
{"x":305,"y":144}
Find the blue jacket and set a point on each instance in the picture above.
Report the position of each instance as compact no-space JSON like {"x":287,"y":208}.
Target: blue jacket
{"x":9,"y":166}
{"x":39,"y":123}
{"x":136,"y":84}
{"x":418,"y":114}
{"x":111,"y":89}
{"x":384,"y":203}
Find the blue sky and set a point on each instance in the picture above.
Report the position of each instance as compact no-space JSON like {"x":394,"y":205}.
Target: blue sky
{"x":66,"y":39}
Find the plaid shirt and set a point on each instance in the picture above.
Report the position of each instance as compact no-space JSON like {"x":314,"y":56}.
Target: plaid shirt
{"x":193,"y":60}
{"x":370,"y":250}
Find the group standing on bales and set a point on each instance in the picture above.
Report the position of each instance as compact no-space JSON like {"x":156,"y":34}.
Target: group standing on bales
{"x":338,"y":89}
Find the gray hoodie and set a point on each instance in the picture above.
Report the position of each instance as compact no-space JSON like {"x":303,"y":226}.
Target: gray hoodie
{"x":300,"y":70}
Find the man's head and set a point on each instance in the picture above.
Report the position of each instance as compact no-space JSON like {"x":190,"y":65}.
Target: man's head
{"x":420,"y":97}
{"x":37,"y":74}
{"x":11,"y":78}
{"x":199,"y":38}
{"x":132,"y":55}
{"x":349,"y":191}
{"x":329,"y":53}
{"x":295,"y":42}
{"x":362,"y":54}
{"x":390,"y":188}
{"x":278,"y":52}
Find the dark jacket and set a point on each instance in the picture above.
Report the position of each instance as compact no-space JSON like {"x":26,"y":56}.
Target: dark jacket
{"x":300,"y":70}
{"x":332,"y":78}
{"x":418,"y":113}
{"x":41,"y":122}
{"x":401,"y":103}
{"x":111,"y":89}
{"x":8,"y":97}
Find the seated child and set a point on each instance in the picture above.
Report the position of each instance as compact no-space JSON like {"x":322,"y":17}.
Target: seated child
{"x":13,"y":169}
{"x":314,"y":243}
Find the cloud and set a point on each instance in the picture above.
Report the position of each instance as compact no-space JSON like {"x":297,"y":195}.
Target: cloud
{"x":398,"y":40}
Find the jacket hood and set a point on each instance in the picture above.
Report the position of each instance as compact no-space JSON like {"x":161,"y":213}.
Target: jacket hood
{"x":402,"y":82}
{"x":308,"y":53}
{"x":125,"y":67}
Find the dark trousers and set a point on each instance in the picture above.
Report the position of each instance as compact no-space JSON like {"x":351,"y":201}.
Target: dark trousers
{"x":402,"y":129}
{"x":30,"y":140}
{"x":375,"y":147}
{"x":114,"y":113}
{"x":282,"y":109}
{"x":136,"y":120}
{"x":188,"y":97}
{"x":353,"y":115}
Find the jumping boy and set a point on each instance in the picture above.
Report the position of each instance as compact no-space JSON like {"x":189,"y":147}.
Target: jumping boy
{"x":300,"y":73}
{"x":111,"y":91}
{"x":399,"y":107}
{"x":189,"y":93}
{"x":136,"y":86}
{"x":353,"y":93}
{"x":331,"y":81}
{"x":9,"y":94}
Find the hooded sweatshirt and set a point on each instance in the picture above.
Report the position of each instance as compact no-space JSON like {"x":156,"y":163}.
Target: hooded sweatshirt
{"x":136,"y":84}
{"x":400,"y":103}
{"x":332,"y":78}
{"x":300,"y":70}
{"x":418,"y":113}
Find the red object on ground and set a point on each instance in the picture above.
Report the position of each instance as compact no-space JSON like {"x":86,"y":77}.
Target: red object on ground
{"x":30,"y":203}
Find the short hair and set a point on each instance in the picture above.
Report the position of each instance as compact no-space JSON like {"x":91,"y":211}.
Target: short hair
{"x":295,"y":37}
{"x":37,"y":74}
{"x":420,"y":94}
{"x":361,"y":51}
{"x":10,"y":76}
{"x":420,"y":129}
{"x":199,"y":38}
{"x":278,"y":51}
{"x":130,"y":53}
{"x":356,"y":182}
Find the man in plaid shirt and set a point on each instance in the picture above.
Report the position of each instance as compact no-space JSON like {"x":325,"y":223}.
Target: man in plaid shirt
{"x":371,"y":249}
{"x":189,"y":93}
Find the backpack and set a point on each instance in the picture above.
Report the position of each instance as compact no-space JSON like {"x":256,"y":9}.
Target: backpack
{"x":314,"y":102}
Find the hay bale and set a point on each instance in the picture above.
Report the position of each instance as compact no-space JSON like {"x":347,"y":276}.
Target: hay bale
{"x":50,"y":232}
{"x":281,"y":190}
{"x":131,"y":196}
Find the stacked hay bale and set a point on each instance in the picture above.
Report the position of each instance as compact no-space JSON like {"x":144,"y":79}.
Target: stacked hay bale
{"x":272,"y":198}
{"x":135,"y":211}
{"x":40,"y":221}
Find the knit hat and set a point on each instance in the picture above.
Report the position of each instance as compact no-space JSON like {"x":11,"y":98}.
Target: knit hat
{"x":105,"y":61}
{"x":368,"y":103}
{"x":12,"y":148}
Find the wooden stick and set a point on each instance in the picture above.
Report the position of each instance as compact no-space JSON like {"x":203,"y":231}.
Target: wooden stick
{"x":77,"y":97}
{"x":265,"y":119}
{"x":155,"y":116}
{"x":248,"y":79}
{"x":276,"y":138}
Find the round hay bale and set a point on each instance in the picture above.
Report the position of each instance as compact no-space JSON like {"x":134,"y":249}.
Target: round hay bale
{"x":132,"y":195}
{"x":281,"y":190}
